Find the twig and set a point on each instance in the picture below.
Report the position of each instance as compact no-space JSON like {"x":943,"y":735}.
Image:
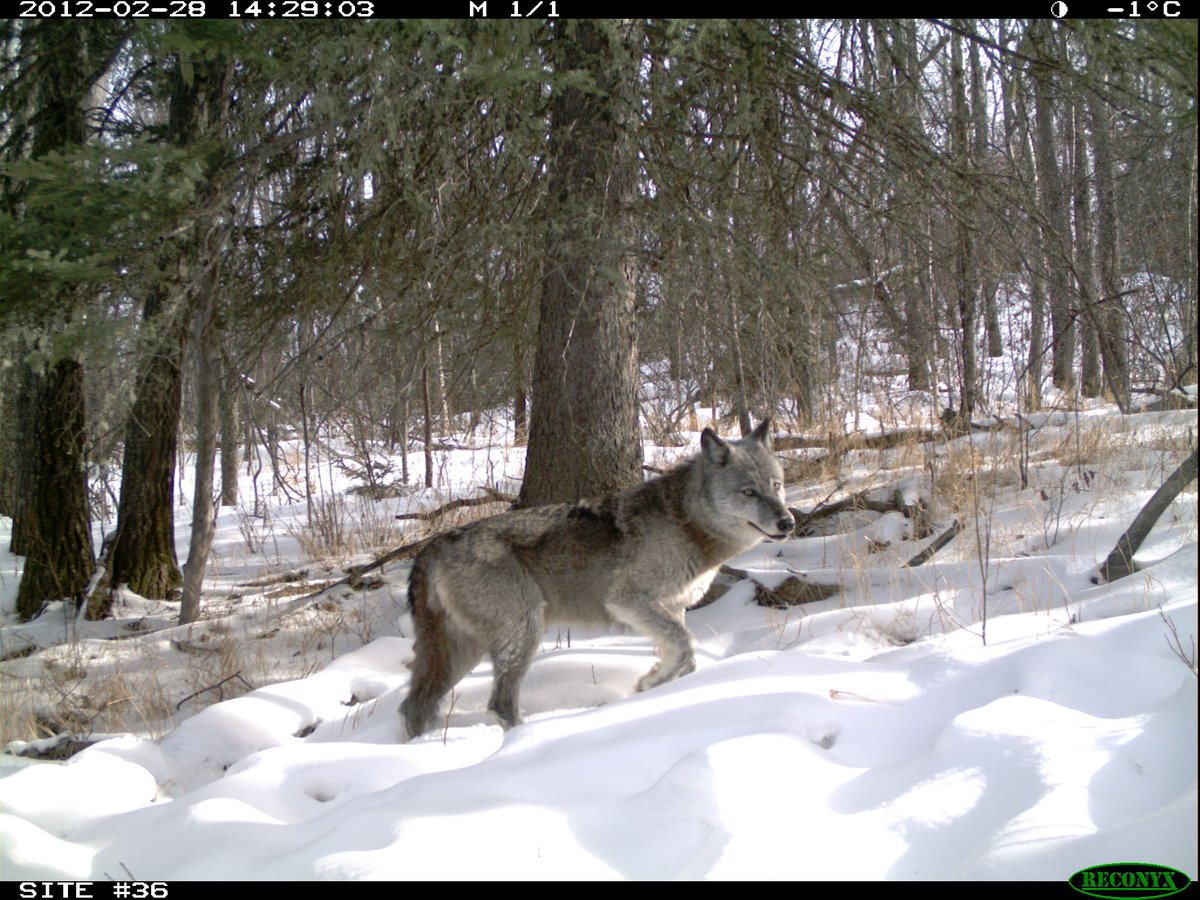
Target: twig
{"x":213,"y":687}
{"x":490,"y":496}
{"x":1176,"y":644}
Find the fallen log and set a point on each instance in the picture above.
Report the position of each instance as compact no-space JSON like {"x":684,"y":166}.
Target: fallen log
{"x":942,"y":540}
{"x":905,"y":501}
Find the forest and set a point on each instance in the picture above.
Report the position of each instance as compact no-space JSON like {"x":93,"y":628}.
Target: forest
{"x":365,"y":239}
{"x":281,"y":302}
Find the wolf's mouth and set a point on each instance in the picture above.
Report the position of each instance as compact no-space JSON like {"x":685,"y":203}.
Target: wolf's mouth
{"x":768,"y":535}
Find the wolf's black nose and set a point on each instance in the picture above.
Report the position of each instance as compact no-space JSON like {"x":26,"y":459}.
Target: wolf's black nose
{"x":786,"y":524}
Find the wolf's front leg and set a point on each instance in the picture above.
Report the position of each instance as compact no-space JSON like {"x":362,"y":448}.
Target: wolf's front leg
{"x":676,"y":650}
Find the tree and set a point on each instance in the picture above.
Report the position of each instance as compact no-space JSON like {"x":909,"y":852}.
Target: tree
{"x":1119,"y":562}
{"x":1052,"y":200}
{"x":142,"y":555}
{"x":59,"y":64}
{"x":583,"y":431}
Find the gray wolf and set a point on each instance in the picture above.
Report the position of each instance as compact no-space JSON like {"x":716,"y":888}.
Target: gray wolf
{"x":638,"y":559}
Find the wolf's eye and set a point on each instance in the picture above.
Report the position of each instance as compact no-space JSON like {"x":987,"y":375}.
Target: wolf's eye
{"x":777,"y":484}
{"x":749,"y":492}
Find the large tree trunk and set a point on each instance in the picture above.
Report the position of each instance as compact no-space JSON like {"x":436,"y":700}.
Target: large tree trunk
{"x":143,"y":554}
{"x":53,"y":529}
{"x":56,"y":531}
{"x":583,"y":435}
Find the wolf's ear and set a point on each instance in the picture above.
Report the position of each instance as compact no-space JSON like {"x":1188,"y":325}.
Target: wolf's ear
{"x":715,"y":450}
{"x":762,"y":433}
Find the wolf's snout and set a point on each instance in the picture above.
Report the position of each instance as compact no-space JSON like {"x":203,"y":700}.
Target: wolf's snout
{"x":786,"y":524}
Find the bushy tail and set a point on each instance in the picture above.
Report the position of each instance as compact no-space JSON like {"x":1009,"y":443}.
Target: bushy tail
{"x":431,"y":669}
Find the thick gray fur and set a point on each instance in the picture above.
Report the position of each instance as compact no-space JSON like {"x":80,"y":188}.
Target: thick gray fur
{"x":638,"y":559}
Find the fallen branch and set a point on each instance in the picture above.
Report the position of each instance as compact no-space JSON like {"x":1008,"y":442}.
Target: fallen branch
{"x":355,"y":573}
{"x":490,"y":496}
{"x":63,"y":747}
{"x":1165,"y":398}
{"x":792,"y":592}
{"x":942,"y":540}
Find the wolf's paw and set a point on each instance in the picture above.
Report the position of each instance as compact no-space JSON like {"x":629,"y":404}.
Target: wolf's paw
{"x":659,"y":675}
{"x":649,"y":680}
{"x":505,"y":722}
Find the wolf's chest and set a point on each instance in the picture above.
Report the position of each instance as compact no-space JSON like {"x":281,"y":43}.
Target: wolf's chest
{"x":692,"y":590}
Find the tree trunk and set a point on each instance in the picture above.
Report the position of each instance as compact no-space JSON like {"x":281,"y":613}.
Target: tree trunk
{"x":1110,"y":312}
{"x":1090,"y":376}
{"x":1052,"y":198}
{"x":14,"y":463}
{"x":52,"y":526}
{"x":230,"y":433}
{"x":1120,"y":562}
{"x":583,"y":436}
{"x":208,"y":384}
{"x":968,"y":290}
{"x":143,"y":554}
{"x":56,"y":531}
{"x":1017,"y":138}
{"x":917,"y":302}
{"x":980,"y":144}
{"x":1190,"y":372}
{"x":427,"y":409}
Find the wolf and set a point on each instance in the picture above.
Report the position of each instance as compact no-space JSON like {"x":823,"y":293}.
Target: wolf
{"x":636,"y":559}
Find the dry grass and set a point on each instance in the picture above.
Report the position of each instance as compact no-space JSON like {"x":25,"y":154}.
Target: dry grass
{"x":77,"y":689}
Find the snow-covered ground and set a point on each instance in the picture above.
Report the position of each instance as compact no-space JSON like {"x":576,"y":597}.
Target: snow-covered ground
{"x":885,"y":732}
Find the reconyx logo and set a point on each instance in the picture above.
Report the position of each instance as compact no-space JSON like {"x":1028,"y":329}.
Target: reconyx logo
{"x":1129,"y":880}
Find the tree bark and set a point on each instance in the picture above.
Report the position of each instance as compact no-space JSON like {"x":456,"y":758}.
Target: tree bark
{"x":1052,"y":202}
{"x":1110,"y":313}
{"x":583,"y":431}
{"x":208,"y":383}
{"x":1120,"y":561}
{"x":968,"y":290}
{"x":52,"y":527}
{"x":230,"y":432}
{"x":56,"y":529}
{"x":143,"y":554}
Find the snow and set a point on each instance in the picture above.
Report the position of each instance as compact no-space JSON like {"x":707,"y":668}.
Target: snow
{"x":890,"y":731}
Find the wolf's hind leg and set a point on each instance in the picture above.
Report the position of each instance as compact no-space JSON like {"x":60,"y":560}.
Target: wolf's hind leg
{"x":446,"y":653}
{"x":512,"y":653}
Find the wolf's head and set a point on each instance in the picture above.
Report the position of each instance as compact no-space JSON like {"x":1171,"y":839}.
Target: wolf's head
{"x":743,"y":482}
